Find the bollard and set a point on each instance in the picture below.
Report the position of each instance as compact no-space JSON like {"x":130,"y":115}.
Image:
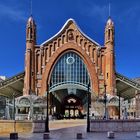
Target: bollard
{"x":46,"y":136}
{"x":138,"y":134}
{"x":13,"y":136}
{"x":79,"y":135}
{"x":110,"y":134}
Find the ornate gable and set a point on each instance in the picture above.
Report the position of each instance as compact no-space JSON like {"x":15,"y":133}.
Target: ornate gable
{"x":70,"y":32}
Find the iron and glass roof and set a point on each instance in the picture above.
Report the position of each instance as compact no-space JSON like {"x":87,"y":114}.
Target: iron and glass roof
{"x":126,"y":87}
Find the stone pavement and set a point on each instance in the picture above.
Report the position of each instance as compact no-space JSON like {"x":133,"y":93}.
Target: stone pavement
{"x":69,"y":133}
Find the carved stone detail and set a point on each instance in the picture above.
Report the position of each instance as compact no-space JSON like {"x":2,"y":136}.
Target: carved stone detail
{"x":70,"y":35}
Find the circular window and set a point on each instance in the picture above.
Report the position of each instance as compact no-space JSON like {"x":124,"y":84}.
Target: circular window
{"x":70,"y":60}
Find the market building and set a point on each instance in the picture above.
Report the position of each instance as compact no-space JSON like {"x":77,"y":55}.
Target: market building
{"x":64,"y":68}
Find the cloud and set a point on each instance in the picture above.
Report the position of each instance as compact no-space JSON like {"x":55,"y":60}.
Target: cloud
{"x":12,"y":13}
{"x":95,"y":10}
{"x":130,"y":13}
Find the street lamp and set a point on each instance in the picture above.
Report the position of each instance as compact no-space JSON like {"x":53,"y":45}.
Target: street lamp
{"x":119,"y":106}
{"x":14,"y":112}
{"x":105,"y":102}
{"x":47,"y":114}
{"x":88,"y":106}
{"x":14,"y":135}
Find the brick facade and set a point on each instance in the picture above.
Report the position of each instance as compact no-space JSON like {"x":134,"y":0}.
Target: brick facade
{"x":40,"y":59}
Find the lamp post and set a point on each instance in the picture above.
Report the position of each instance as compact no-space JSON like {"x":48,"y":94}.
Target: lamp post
{"x":119,"y":106}
{"x":105,"y":102}
{"x":14,"y":112}
{"x":14,"y":135}
{"x":88,"y":105}
{"x":47,"y":114}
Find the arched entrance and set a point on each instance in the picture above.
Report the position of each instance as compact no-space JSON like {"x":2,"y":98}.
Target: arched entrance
{"x":68,"y":87}
{"x":72,"y":107}
{"x":67,"y":47}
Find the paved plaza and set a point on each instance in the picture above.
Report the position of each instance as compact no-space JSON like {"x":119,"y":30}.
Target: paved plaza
{"x":67,"y":130}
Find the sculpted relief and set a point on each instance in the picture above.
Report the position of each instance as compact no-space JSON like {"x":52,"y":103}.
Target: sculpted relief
{"x":70,"y":35}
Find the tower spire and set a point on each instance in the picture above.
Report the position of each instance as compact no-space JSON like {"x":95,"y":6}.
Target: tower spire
{"x":29,"y":80}
{"x":110,"y":65}
{"x":109,"y":9}
{"x":31,"y":7}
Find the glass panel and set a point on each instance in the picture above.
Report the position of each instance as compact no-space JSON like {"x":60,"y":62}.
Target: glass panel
{"x":70,"y":69}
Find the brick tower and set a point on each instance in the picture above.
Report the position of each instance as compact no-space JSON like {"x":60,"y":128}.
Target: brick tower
{"x":110,"y":79}
{"x":109,"y":58}
{"x":29,"y":81}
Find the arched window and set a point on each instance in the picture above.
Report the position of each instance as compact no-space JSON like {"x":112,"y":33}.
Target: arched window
{"x":69,"y":69}
{"x":109,"y":31}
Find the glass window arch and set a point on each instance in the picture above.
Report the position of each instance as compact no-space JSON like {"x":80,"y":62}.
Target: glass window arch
{"x":69,"y":69}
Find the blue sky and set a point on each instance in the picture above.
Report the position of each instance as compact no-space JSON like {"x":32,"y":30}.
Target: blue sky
{"x":50,"y":15}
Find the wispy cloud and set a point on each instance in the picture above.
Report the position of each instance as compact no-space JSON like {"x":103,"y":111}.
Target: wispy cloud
{"x":95,"y":10}
{"x":12,"y":13}
{"x":129,"y":13}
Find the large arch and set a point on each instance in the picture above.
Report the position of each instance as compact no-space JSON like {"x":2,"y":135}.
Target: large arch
{"x":70,"y":46}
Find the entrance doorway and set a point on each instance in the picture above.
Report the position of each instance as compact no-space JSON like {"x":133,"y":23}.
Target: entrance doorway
{"x":68,"y":105}
{"x":72,"y":107}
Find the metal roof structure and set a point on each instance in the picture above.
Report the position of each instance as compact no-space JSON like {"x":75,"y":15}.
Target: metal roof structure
{"x":12,"y":86}
{"x":126,"y":87}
